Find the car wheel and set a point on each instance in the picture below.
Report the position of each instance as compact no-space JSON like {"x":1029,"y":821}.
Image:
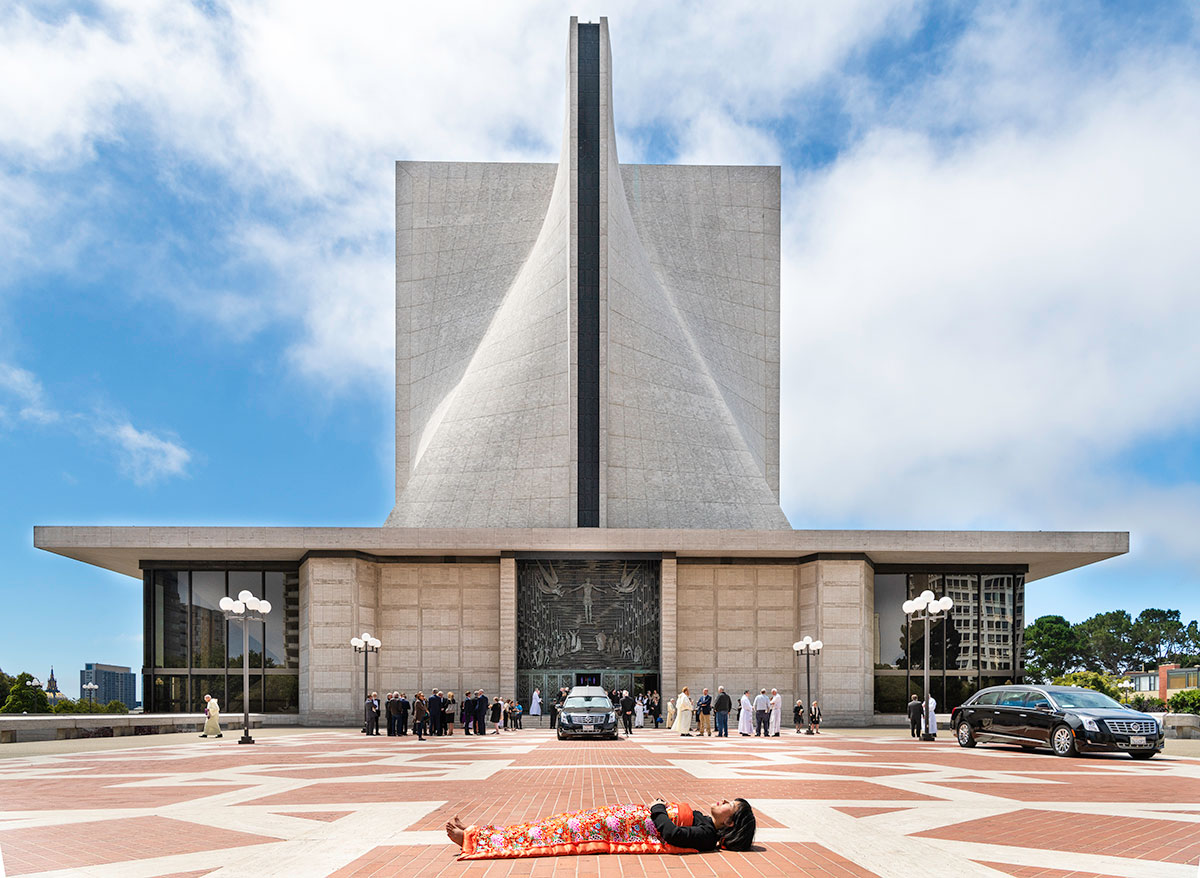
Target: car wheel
{"x":1142,"y":754}
{"x":966,"y":738}
{"x":1062,"y":739}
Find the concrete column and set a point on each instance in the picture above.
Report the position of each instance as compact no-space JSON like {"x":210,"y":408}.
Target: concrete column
{"x":669,"y":635}
{"x":843,"y":675}
{"x":508,"y":627}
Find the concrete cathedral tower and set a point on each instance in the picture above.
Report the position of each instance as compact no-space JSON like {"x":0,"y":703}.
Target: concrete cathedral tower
{"x":587,"y":344}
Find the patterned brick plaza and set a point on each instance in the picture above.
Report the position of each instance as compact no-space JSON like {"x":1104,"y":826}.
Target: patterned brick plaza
{"x":301,"y":803}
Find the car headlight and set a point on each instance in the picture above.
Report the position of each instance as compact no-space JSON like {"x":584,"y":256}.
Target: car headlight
{"x":612,"y":716}
{"x":1090,"y":725}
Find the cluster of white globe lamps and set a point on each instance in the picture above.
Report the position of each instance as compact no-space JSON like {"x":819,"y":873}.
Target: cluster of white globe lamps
{"x":925,"y":602}
{"x":366,"y":641}
{"x":246,"y":602}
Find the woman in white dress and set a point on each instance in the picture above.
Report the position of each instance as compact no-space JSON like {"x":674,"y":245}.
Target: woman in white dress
{"x":683,"y":714}
{"x":746,"y":715}
{"x":639,"y":712}
{"x":212,"y":718}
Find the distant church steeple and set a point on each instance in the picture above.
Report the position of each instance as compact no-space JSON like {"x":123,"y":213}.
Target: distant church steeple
{"x":52,"y":688}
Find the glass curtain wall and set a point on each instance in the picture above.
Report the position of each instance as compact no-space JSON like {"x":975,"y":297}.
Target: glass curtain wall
{"x":978,"y":644}
{"x":192,"y":651}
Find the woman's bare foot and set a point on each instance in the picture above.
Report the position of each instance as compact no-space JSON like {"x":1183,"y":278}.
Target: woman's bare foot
{"x":456,"y":829}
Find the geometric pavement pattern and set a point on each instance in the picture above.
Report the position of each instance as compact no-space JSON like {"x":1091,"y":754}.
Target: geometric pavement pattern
{"x":329,"y":802}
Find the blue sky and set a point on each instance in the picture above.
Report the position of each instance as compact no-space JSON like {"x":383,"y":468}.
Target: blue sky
{"x":990,"y":294}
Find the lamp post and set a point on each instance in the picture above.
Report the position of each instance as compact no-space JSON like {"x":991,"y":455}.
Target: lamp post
{"x":930,"y":609}
{"x":366,"y":645}
{"x":90,"y":688}
{"x":247,"y":608}
{"x":809,"y":647}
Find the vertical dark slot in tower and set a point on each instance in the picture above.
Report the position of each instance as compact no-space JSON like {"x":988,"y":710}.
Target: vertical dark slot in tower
{"x":588,"y":169}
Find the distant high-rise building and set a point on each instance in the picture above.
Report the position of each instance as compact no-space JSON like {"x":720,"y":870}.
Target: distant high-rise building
{"x":114,"y":683}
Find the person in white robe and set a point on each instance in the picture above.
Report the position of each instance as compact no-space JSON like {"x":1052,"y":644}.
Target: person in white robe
{"x":776,"y":712}
{"x":535,"y":703}
{"x":931,"y":716}
{"x":639,"y":712}
{"x":212,"y":718}
{"x":670,"y":712}
{"x":746,"y":715}
{"x":683,"y":714}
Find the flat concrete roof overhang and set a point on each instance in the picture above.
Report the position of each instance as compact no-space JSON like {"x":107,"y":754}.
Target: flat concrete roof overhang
{"x":123,"y":549}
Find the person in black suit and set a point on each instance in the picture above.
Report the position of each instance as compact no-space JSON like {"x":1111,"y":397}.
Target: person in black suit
{"x":371,"y":714}
{"x":402,"y":715}
{"x":481,"y":711}
{"x":392,"y":706}
{"x":627,"y":706}
{"x":468,"y":712}
{"x":914,"y":716}
{"x":435,"y":713}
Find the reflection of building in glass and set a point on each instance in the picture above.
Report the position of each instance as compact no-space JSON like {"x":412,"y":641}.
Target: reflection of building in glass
{"x":973,"y":647}
{"x":193,"y":650}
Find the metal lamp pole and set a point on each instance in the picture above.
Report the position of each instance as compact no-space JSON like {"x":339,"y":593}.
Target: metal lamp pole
{"x":90,"y":688}
{"x":247,"y":608}
{"x":925,"y":607}
{"x":809,"y":647}
{"x":366,"y":645}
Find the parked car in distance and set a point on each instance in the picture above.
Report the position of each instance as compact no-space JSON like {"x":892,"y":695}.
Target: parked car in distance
{"x":1067,"y":719}
{"x":587,"y":712}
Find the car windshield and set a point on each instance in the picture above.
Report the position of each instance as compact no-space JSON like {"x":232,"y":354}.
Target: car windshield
{"x":593,"y":701}
{"x":1084,"y":699}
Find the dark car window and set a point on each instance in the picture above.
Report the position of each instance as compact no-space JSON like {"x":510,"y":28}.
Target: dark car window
{"x":1037,"y":701}
{"x":595,"y":702}
{"x":1011,"y":698}
{"x":987,"y":698}
{"x":1084,"y":698}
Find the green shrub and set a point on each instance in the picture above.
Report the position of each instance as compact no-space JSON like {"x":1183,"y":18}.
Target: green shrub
{"x":1091,"y":680}
{"x":1187,"y":701}
{"x":1147,"y":703}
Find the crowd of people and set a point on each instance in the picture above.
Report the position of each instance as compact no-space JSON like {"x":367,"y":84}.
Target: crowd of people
{"x":436,"y":715}
{"x":758,"y":715}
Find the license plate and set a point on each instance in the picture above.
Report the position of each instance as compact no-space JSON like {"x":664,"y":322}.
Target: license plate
{"x":1137,"y":740}
{"x":587,"y":728}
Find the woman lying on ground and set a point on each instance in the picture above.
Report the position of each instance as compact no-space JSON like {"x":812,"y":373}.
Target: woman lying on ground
{"x":659,"y":828}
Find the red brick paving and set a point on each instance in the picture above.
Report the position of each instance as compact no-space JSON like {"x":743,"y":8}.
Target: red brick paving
{"x":60,"y":793}
{"x":113,"y":841}
{"x":785,"y":860}
{"x":1139,"y":838}
{"x":865,"y":812}
{"x":323,"y":816}
{"x":579,"y":788}
{"x":1039,"y":871}
{"x":1091,"y":788}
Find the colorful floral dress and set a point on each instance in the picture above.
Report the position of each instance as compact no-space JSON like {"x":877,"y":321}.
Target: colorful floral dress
{"x":613,"y":829}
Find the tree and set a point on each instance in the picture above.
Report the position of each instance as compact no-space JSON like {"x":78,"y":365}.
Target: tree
{"x":1091,"y":680}
{"x":24,"y":698}
{"x":5,"y":685}
{"x":1158,"y":634}
{"x":115,"y":706}
{"x":1106,"y":642}
{"x":1051,"y":648}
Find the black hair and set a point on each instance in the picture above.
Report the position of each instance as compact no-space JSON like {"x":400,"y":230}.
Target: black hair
{"x":738,"y":834}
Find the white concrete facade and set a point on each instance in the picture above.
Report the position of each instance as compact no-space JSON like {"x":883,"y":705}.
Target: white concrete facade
{"x":487,"y":338}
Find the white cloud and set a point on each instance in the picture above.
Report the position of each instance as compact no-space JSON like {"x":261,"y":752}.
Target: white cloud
{"x":145,"y":457}
{"x":301,"y":113}
{"x":978,"y":327}
{"x":28,"y":397}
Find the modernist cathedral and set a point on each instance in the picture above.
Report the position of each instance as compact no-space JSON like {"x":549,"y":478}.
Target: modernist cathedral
{"x":587,"y":474}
